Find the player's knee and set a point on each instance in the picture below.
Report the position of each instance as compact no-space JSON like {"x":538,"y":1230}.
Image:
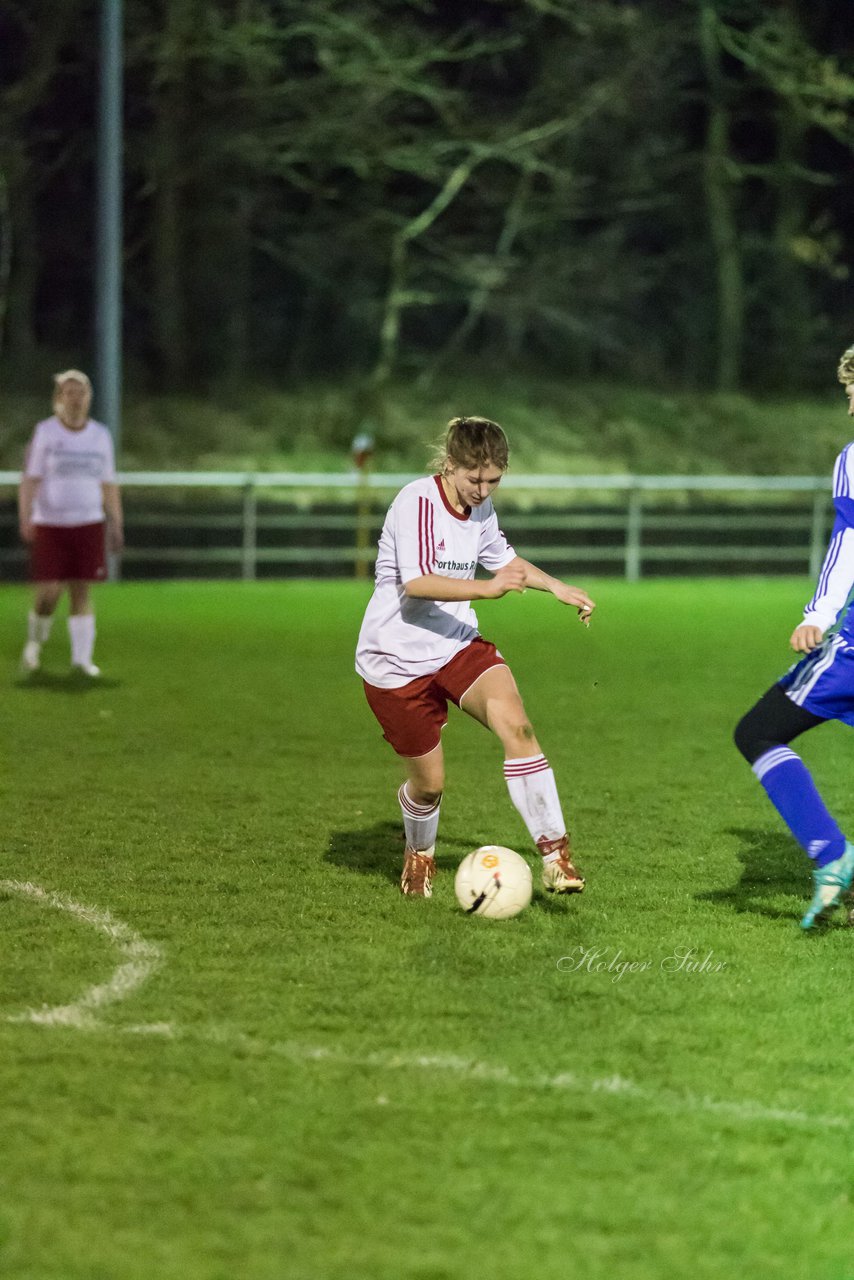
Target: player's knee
{"x":750,"y":739}
{"x":47,"y":598}
{"x":519,"y":732}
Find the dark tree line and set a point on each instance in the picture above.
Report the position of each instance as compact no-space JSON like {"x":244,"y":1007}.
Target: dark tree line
{"x":650,"y":189}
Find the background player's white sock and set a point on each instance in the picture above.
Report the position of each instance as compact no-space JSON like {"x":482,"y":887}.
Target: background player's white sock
{"x":420,"y":821}
{"x":81,"y":630}
{"x":38,"y":626}
{"x":533,"y":790}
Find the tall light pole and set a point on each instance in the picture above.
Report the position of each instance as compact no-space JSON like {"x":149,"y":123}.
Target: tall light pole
{"x":108,"y":268}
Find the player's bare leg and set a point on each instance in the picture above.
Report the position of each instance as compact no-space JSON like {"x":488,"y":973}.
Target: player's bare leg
{"x":494,"y":700}
{"x":39,"y":623}
{"x":420,"y":798}
{"x":81,"y":628}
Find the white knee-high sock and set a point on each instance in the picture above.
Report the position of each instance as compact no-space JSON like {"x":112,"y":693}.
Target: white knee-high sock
{"x":38,"y":626}
{"x":81,"y":630}
{"x":420,"y":822}
{"x":533,"y":790}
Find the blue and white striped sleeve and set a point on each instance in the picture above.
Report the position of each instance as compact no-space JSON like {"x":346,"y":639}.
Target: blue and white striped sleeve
{"x":837,"y":573}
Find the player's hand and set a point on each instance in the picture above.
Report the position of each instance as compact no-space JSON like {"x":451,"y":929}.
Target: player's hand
{"x":511,"y":578}
{"x":115,"y":539}
{"x":26,"y":530}
{"x":805,"y":638}
{"x":578,"y":598}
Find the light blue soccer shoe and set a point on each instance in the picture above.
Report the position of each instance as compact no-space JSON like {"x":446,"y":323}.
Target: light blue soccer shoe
{"x":830,"y":881}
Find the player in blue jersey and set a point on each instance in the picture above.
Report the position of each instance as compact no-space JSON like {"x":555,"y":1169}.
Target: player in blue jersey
{"x":820,"y":687}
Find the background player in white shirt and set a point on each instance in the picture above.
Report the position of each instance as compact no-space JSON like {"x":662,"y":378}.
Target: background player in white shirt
{"x":419,"y":648}
{"x":818,"y":688}
{"x":68,"y":495}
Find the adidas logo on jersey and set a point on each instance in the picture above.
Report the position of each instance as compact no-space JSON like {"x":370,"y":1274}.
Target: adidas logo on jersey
{"x":441,"y":545}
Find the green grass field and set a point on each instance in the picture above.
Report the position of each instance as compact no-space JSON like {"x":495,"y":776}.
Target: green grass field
{"x":229,"y":1050}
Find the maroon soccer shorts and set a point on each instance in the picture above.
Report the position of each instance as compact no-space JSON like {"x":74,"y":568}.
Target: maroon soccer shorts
{"x":68,"y":553}
{"x":413,"y":716}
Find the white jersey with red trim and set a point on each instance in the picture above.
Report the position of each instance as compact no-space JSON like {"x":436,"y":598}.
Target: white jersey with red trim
{"x":403,"y":638}
{"x":72,"y":466}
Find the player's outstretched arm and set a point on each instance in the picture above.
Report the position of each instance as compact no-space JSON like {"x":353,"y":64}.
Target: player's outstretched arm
{"x":539,"y":580}
{"x":433,"y":586}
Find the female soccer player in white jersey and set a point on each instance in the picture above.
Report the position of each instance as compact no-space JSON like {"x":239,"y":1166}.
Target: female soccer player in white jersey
{"x":419,"y":648}
{"x":67,"y":492}
{"x":818,"y":688}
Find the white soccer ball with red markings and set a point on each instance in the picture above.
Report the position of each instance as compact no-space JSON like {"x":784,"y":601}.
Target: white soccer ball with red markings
{"x":493,"y":882}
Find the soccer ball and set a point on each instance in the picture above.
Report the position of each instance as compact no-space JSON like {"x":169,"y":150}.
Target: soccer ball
{"x":493,"y":882}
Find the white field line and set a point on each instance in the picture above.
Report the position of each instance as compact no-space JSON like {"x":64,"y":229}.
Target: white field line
{"x":141,"y":958}
{"x":669,"y":1100}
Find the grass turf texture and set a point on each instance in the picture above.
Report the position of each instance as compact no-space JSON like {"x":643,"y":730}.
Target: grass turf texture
{"x":322,"y":1079}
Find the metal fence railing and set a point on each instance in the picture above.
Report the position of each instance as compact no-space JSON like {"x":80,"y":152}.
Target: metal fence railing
{"x":242,"y":524}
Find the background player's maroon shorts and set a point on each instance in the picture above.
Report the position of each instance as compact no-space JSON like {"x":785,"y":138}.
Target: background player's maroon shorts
{"x":413,"y":716}
{"x":66,"y":553}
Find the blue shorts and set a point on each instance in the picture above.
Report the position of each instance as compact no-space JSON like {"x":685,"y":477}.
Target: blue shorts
{"x":823,"y":681}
